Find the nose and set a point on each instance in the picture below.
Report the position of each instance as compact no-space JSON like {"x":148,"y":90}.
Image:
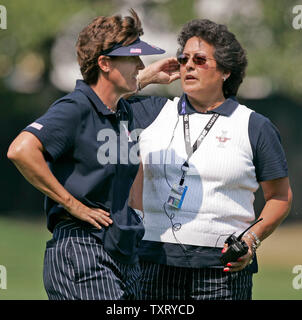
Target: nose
{"x":140,"y":65}
{"x":190,"y":64}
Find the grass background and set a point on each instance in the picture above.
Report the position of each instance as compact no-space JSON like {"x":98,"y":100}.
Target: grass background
{"x":22,"y":243}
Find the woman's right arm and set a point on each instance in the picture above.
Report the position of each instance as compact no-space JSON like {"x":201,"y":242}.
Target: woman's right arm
{"x":26,"y":152}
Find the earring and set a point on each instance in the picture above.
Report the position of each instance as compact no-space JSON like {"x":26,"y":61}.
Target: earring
{"x":224,"y":78}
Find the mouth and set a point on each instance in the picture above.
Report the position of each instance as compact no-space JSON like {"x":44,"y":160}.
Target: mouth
{"x":189,"y":77}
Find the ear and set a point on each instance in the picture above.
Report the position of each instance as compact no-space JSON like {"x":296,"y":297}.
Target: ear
{"x":104,"y":63}
{"x":225,"y":76}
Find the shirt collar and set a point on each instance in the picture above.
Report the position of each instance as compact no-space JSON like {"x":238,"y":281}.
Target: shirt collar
{"x":225,"y":109}
{"x":98,"y":103}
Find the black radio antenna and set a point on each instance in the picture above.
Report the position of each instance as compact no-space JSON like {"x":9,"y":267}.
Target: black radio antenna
{"x":240,"y":236}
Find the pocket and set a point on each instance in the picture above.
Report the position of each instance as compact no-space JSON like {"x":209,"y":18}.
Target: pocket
{"x":84,"y":258}
{"x":50,"y":244}
{"x":57,"y":265}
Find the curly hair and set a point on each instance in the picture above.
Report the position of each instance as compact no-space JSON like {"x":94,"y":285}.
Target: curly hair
{"x":101,"y":34}
{"x":229,"y":55}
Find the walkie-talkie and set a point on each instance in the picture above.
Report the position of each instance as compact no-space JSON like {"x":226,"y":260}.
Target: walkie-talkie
{"x":236,"y":246}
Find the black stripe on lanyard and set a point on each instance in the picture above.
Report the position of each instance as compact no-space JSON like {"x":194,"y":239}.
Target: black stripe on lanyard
{"x":190,"y":150}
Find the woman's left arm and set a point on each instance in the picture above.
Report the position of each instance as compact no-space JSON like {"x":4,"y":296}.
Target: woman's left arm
{"x":278,"y":198}
{"x":136,"y":191}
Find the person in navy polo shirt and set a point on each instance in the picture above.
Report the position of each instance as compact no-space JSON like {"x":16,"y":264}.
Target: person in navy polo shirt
{"x":78,"y":155}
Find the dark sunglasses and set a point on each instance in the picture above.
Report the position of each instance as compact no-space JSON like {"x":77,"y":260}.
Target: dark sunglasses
{"x":198,"y":58}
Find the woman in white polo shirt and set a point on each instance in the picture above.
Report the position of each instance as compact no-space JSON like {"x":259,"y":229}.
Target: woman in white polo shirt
{"x":203,"y":158}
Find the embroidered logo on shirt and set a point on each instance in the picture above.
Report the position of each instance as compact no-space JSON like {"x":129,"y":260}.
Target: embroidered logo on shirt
{"x":36,"y":125}
{"x":222,"y":139}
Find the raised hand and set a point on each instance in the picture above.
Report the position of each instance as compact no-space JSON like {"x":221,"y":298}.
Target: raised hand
{"x":163,"y":71}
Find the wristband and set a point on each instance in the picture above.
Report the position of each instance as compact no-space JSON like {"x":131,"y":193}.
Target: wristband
{"x":257,"y":240}
{"x":139,"y":87}
{"x":254,"y":245}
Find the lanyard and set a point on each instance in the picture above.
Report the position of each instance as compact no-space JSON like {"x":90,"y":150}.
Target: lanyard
{"x":190,"y":150}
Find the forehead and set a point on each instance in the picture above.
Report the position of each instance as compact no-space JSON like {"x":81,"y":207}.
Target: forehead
{"x":125,"y":60}
{"x":196,"y":44}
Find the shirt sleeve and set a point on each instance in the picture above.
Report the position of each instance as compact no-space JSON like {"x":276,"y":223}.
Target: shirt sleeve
{"x":57,"y":128}
{"x":268,"y":154}
{"x":146,"y":109}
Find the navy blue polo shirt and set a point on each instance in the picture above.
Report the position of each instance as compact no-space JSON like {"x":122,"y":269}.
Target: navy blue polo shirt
{"x":268,"y":158}
{"x":87,"y":148}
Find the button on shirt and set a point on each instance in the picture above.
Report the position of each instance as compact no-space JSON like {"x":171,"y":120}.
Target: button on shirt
{"x":88,"y":147}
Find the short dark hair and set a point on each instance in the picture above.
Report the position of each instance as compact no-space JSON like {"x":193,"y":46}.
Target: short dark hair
{"x":229,"y":55}
{"x":101,"y":34}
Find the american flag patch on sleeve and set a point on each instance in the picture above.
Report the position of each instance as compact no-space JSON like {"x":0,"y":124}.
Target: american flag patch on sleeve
{"x":36,"y":125}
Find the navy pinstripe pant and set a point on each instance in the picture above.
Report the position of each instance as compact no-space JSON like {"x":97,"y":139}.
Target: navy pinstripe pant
{"x":77,"y":267}
{"x":162,"y":282}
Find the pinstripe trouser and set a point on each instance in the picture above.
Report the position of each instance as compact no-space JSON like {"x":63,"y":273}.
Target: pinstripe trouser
{"x":77,"y":267}
{"x":162,"y":282}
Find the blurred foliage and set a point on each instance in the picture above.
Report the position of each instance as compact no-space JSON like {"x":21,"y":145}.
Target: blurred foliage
{"x":179,"y":11}
{"x":32,"y":27}
{"x":32,"y":23}
{"x":264,"y":27}
{"x":273,"y":45}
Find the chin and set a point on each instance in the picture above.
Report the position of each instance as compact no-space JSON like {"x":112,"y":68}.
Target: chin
{"x":191,"y":90}
{"x":132,"y":86}
{"x":127,"y":89}
{"x":132,"y":89}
